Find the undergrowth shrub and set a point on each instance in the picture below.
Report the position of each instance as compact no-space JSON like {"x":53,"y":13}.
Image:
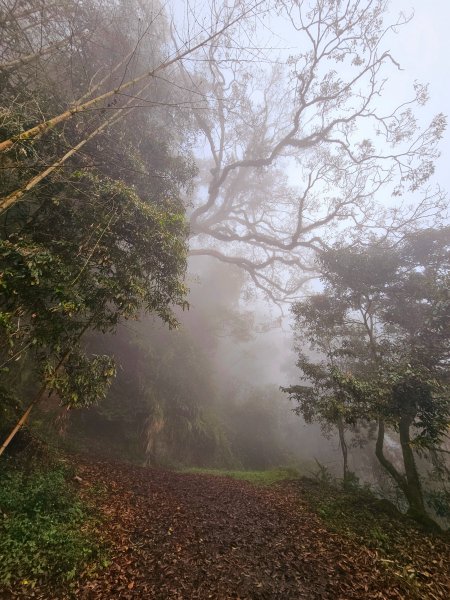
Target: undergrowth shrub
{"x":45,"y":529}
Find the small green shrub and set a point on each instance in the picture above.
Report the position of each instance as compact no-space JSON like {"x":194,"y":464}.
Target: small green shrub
{"x":44,"y":528}
{"x":439,"y":501}
{"x":351,"y":482}
{"x":379,"y":537}
{"x":322,"y":474}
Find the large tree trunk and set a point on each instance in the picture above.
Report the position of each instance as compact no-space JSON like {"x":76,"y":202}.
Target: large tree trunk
{"x":409,"y":483}
{"x":343,"y":444}
{"x":413,"y":492}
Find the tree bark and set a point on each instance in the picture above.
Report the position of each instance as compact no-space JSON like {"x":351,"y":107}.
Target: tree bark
{"x":344,"y":449}
{"x":409,"y":483}
{"x":415,"y":495}
{"x":385,"y":463}
{"x":15,"y":196}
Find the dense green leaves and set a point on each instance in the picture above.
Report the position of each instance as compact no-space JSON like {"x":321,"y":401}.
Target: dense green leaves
{"x":86,"y":261}
{"x":45,"y":530}
{"x":101,"y":238}
{"x":380,"y":328}
{"x":84,"y":381}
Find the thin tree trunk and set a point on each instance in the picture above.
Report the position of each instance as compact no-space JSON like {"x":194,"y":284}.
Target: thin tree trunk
{"x":105,"y":79}
{"x":30,"y":57}
{"x":80,"y":108}
{"x":15,"y":196}
{"x":7,"y":202}
{"x":43,"y":389}
{"x":385,"y":463}
{"x":23,"y":419}
{"x":415,"y":499}
{"x":344,"y":449}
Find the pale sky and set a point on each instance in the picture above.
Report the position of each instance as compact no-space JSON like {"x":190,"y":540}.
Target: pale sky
{"x":423,"y":49}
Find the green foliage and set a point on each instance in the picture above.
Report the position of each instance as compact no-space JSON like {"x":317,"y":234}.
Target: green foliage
{"x":46,"y":531}
{"x":100,"y":239}
{"x":358,"y":513}
{"x":379,"y":328}
{"x":8,"y":408}
{"x":351,"y":481}
{"x":439,"y":500}
{"x":84,"y":380}
{"x":408,"y":551}
{"x":322,"y":474}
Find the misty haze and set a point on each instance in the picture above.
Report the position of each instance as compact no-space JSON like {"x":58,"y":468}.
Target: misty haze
{"x":224,"y":300}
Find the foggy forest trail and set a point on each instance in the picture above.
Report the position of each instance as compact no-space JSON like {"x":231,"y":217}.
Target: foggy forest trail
{"x":189,"y":536}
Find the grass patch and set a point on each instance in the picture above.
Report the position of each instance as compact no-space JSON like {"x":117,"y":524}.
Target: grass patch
{"x":47,"y":534}
{"x":357,"y":513}
{"x":268,"y":477}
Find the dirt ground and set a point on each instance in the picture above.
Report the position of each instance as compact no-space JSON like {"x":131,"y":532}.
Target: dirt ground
{"x":189,"y":536}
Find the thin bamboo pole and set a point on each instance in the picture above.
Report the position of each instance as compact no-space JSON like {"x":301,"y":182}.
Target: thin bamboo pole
{"x":15,"y":196}
{"x":22,"y":419}
{"x":30,"y":57}
{"x":80,"y":108}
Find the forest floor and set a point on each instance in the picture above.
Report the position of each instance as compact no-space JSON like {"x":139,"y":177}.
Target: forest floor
{"x":194,"y":536}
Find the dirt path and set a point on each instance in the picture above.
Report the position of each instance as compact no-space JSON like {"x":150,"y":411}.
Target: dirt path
{"x":185,"y":536}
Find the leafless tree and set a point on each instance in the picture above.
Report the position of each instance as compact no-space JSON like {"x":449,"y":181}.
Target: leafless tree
{"x":297,"y":151}
{"x":294,"y":150}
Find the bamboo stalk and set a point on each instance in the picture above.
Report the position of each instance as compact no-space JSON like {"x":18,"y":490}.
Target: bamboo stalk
{"x":80,"y":108}
{"x":22,"y":419}
{"x":7,"y":202}
{"x":30,"y":57}
{"x":15,"y":196}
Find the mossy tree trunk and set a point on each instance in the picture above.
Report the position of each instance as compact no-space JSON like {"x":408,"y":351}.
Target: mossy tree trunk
{"x":409,"y":482}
